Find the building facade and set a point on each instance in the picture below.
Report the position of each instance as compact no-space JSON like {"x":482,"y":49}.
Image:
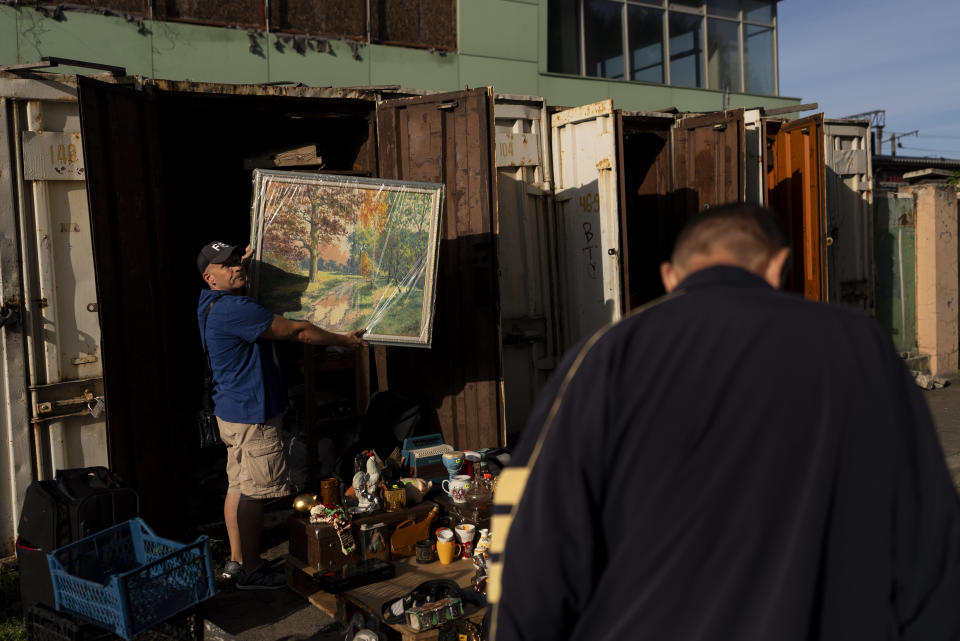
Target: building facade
{"x":695,"y":55}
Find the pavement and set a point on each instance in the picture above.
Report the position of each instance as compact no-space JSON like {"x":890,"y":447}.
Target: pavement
{"x":944,"y":405}
{"x":282,"y":615}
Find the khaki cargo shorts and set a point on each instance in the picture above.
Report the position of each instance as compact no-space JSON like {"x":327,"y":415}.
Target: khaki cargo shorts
{"x":256,"y":464}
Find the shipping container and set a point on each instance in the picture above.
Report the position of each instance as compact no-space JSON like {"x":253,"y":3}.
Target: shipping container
{"x":161,"y":165}
{"x":625,"y":184}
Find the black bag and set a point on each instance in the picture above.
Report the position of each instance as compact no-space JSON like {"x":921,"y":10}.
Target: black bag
{"x":427,"y":592}
{"x":205,"y":422}
{"x":80,"y":502}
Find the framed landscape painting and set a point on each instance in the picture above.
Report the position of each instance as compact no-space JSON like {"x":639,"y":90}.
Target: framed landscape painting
{"x":346,"y":253}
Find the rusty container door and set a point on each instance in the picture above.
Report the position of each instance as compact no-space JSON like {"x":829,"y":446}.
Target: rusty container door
{"x":526,"y":253}
{"x":709,"y":161}
{"x":128,"y":226}
{"x":849,"y":214}
{"x":647,"y":220}
{"x":449,"y":138}
{"x":796,"y":191}
{"x":586,"y":198}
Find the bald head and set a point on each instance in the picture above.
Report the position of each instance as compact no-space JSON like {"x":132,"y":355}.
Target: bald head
{"x":737,"y":235}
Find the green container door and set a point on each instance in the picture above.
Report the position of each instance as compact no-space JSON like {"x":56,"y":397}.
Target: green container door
{"x":896,"y":258}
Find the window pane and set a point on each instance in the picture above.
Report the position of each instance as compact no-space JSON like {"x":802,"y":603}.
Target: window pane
{"x":693,"y":4}
{"x":563,"y":39}
{"x":723,"y":54}
{"x":686,"y":50}
{"x":603,"y":40}
{"x":725,"y":8}
{"x":758,"y":11}
{"x":758,"y":54}
{"x":645,"y":36}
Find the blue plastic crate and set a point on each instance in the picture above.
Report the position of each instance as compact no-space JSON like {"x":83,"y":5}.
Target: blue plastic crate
{"x":127,"y":579}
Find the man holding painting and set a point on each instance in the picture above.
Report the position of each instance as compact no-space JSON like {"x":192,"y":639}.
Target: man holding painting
{"x":249,"y":400}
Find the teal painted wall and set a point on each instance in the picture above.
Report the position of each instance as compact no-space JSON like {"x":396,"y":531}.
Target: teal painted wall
{"x":502,"y":43}
{"x":896,"y":258}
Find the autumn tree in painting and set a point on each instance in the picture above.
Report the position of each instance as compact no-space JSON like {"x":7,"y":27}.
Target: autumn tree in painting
{"x":307,"y":216}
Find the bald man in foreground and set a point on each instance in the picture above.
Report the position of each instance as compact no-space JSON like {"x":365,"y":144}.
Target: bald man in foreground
{"x":730,"y":463}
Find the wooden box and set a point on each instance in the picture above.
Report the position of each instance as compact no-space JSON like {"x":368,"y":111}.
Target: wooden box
{"x":318,"y":546}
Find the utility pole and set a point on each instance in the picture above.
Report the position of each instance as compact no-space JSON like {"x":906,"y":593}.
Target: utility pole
{"x":893,"y":140}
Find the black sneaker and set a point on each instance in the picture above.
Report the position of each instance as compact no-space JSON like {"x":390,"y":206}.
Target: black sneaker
{"x":263,"y":578}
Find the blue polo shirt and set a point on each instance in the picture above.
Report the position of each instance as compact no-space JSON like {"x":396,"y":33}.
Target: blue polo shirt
{"x":247,"y":383}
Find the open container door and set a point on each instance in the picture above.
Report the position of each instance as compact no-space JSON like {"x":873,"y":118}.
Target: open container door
{"x":123,"y":171}
{"x":449,"y":138}
{"x":648,"y":225}
{"x":709,"y":161}
{"x":849,"y":215}
{"x":526,"y":253}
{"x":796,"y":192}
{"x":587,"y":195}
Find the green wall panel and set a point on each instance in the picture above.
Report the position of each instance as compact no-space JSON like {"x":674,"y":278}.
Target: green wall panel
{"x":895,"y":255}
{"x":571,"y":92}
{"x":8,"y":35}
{"x":499,"y":45}
{"x":84,"y":36}
{"x":506,"y":76}
{"x":413,"y":68}
{"x":499,"y":29}
{"x":206,"y":54}
{"x":336,"y":69}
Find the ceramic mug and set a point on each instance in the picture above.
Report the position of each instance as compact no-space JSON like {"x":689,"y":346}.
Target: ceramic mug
{"x":465,"y":533}
{"x":457,"y":488}
{"x":447,"y":551}
{"x":426,"y":551}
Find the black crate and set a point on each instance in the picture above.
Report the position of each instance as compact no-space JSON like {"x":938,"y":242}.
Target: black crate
{"x":44,"y":624}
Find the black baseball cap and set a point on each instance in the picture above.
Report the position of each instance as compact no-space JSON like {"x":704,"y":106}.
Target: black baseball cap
{"x":216,"y":253}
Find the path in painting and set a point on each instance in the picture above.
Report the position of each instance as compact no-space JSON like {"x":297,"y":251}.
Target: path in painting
{"x":336,"y":304}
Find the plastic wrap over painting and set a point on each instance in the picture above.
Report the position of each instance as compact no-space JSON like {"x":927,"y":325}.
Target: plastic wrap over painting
{"x":345,"y":253}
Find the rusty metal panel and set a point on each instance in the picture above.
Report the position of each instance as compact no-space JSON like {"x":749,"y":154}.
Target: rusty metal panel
{"x":237,"y":13}
{"x":133,"y":270}
{"x":849,"y":214}
{"x":342,"y":18}
{"x":123,"y":7}
{"x":449,"y":138}
{"x":796,"y":192}
{"x":586,"y":196}
{"x":414,"y":23}
{"x":709,"y":160}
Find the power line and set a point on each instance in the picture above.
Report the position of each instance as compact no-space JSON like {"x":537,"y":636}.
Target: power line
{"x":938,"y":151}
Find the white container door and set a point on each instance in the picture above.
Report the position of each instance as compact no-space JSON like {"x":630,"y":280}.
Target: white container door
{"x":587,"y":207}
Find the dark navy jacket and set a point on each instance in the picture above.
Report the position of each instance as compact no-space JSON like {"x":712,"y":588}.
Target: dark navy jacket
{"x":732,"y":463}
